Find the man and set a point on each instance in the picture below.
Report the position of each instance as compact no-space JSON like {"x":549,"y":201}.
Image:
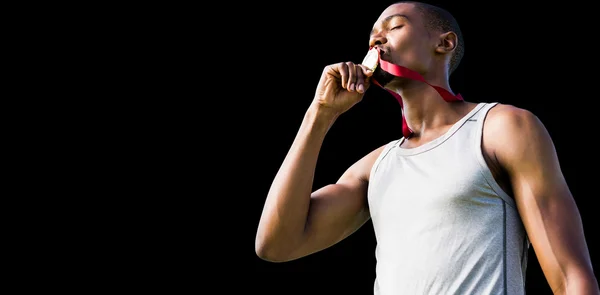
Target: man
{"x":455,"y":204}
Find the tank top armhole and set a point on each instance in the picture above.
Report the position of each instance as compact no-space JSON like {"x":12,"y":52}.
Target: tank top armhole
{"x":383,"y":154}
{"x":478,"y":149}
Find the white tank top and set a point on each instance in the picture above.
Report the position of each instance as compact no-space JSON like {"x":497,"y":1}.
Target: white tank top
{"x":442,"y":223}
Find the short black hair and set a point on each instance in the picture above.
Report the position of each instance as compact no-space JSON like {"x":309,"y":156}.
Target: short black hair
{"x":438,"y":18}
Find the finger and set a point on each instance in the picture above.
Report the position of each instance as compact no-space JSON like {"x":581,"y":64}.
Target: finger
{"x":360,"y":80}
{"x":351,"y":76}
{"x":343,"y":70}
{"x":363,"y":73}
{"x":366,"y":71}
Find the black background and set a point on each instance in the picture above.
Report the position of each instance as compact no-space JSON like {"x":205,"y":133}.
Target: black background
{"x":535,"y":58}
{"x":234,"y":81}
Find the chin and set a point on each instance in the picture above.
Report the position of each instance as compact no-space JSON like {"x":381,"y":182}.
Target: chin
{"x":396,"y":83}
{"x":382,"y":77}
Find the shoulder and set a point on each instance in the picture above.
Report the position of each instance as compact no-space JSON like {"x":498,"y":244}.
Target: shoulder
{"x":361,"y":169}
{"x":506,"y":123}
{"x":503,"y":118}
{"x":511,"y":133}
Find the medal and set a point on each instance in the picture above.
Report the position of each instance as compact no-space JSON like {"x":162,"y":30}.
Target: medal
{"x":371,"y":59}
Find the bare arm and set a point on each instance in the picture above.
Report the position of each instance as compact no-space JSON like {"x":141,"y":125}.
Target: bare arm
{"x":549,"y":213}
{"x":296,"y":222}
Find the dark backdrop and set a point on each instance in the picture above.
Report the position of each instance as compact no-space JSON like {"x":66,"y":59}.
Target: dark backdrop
{"x":538,"y":58}
{"x":199,"y":103}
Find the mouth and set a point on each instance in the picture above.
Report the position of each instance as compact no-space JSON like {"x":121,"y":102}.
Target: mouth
{"x":383,"y":55}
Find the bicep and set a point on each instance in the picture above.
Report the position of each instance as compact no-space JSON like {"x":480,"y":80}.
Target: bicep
{"x":547,"y":208}
{"x":338,"y":210}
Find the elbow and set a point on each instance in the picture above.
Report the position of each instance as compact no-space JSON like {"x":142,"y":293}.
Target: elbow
{"x":266,"y":255}
{"x":267,"y":252}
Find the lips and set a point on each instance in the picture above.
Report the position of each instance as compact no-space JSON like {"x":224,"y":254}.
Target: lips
{"x":383,"y":55}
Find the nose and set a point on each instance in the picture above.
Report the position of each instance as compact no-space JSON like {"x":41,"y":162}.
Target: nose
{"x":377,"y":40}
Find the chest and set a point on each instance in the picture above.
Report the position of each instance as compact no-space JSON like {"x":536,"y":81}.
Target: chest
{"x":438,"y":180}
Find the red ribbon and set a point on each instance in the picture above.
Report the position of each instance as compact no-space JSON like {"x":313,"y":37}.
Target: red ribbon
{"x":403,"y":72}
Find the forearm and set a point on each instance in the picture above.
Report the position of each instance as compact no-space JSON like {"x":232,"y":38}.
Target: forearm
{"x":585,"y":284}
{"x":284,"y":215}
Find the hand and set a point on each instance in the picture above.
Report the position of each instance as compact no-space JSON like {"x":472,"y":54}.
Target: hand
{"x":341,"y":86}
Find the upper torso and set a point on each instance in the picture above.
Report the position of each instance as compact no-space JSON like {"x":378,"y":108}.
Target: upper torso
{"x":443,"y":220}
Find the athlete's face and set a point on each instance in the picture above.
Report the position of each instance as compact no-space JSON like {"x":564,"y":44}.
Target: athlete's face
{"x":403,"y":39}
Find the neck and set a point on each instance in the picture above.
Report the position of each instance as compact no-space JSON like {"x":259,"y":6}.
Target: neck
{"x":424,"y":108}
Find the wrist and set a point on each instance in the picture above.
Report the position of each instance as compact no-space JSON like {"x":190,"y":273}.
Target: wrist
{"x":320,"y":117}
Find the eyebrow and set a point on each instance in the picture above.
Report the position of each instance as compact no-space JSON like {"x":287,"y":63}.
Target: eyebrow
{"x":387,"y":19}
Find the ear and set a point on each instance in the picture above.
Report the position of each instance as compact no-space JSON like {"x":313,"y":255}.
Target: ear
{"x":447,"y":42}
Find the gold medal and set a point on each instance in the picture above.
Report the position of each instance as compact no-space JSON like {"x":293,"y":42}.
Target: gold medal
{"x":371,"y":59}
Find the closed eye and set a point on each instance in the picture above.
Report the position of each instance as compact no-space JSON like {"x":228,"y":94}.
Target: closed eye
{"x":397,"y":27}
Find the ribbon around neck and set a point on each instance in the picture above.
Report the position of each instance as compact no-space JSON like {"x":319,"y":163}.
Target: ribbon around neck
{"x":400,"y":71}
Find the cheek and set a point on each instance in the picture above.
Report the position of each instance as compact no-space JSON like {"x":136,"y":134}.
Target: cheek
{"x":409,"y":56}
{"x":408,"y":49}
{"x":415,"y":55}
